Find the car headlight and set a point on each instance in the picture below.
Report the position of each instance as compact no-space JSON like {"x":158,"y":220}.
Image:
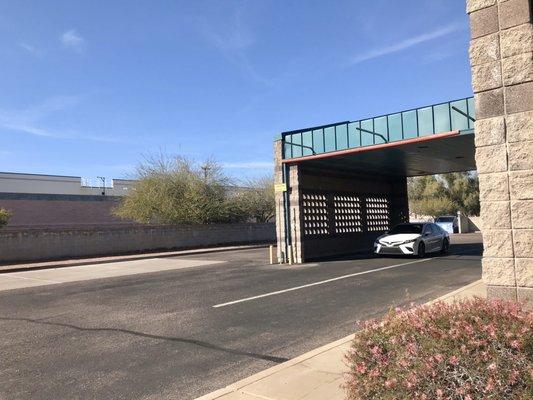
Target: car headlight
{"x":409,"y":241}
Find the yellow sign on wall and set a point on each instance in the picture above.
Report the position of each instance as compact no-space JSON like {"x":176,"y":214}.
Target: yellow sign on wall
{"x":280,"y":187}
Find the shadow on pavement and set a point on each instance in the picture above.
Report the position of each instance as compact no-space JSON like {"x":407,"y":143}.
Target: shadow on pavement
{"x":458,"y":249}
{"x":157,"y":337}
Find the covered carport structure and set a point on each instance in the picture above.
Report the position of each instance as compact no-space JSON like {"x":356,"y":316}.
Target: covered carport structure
{"x":341,"y":185}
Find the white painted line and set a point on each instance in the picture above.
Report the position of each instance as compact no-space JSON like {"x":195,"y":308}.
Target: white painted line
{"x":31,"y":279}
{"x":338,"y":278}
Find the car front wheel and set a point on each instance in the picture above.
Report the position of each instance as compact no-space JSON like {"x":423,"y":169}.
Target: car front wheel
{"x":445,"y":246}
{"x":421,"y":250}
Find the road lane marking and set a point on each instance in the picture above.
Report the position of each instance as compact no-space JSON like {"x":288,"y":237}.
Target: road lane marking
{"x":30,"y":279}
{"x":338,"y":278}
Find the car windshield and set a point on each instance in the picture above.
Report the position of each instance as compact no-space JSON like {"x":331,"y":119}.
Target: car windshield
{"x":406,"y":228}
{"x":445,"y":219}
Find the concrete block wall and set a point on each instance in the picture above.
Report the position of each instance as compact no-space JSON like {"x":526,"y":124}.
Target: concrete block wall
{"x":37,"y":210}
{"x":502,"y":78}
{"x":49,"y":244}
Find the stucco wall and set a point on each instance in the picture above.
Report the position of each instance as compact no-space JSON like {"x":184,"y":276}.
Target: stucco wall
{"x":36,"y":244}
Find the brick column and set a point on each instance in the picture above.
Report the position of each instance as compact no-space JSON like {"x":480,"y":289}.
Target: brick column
{"x":502,"y":78}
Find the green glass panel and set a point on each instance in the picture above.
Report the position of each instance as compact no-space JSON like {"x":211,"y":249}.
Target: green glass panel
{"x":318,"y":140}
{"x":442,"y":118}
{"x":329,"y":134}
{"x":471,"y":111}
{"x":380,"y":126}
{"x":307,"y":140}
{"x":296,"y":140}
{"x":367,"y":138}
{"x":395,"y":127}
{"x":353,"y":135}
{"x":459,"y":121}
{"x":409,"y":124}
{"x":342,"y":136}
{"x":288,"y":147}
{"x":425,"y":121}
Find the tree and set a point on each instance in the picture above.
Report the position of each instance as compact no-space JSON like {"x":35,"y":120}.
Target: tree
{"x":436,"y":195}
{"x":5,"y":215}
{"x":433,"y":206}
{"x":257,"y":200}
{"x":463,"y":190}
{"x":176,"y":190}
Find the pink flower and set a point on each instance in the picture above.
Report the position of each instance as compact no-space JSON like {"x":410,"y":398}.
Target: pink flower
{"x":515,"y":344}
{"x":440,"y":392}
{"x":361,"y":368}
{"x":454,"y":360}
{"x":490,"y":385}
{"x":390,"y":382}
{"x":492,"y":367}
{"x":404,"y":363}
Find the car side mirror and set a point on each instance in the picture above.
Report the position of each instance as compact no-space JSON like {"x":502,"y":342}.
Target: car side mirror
{"x":427,"y":234}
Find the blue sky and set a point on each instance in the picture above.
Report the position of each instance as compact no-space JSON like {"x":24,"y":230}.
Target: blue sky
{"x":90,"y":86}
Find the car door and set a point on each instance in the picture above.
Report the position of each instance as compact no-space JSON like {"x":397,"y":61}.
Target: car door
{"x":426,"y":237}
{"x":436,"y":238}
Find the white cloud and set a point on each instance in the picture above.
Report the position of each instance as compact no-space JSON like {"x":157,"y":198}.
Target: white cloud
{"x":31,"y":49}
{"x":248,"y":165}
{"x":405,"y":44}
{"x":29,"y":120}
{"x":233,"y":40}
{"x":72,"y":40}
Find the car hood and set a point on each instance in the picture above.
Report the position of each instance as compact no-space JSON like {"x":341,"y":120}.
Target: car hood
{"x":398,"y":238}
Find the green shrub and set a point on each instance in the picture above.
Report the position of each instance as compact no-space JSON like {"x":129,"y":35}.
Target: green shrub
{"x":478,"y":349}
{"x":4,"y":217}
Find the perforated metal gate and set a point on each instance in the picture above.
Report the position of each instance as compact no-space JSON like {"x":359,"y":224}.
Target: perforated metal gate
{"x":377,"y":214}
{"x":315,"y":214}
{"x":348,"y":214}
{"x":344,"y":213}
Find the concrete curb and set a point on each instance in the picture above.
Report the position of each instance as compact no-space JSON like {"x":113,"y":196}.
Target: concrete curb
{"x":450,"y":295}
{"x":287,"y":364}
{"x":128,"y":257}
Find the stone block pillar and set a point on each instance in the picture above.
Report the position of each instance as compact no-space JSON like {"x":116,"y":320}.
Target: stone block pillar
{"x":502,"y":78}
{"x":294,"y":196}
{"x":280,"y":201}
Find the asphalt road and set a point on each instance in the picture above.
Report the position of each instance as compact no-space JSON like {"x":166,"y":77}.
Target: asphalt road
{"x":158,"y":336}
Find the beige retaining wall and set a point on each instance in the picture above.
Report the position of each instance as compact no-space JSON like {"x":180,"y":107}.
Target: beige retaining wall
{"x":48,"y":244}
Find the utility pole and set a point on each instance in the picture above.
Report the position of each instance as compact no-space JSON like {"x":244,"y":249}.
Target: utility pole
{"x":102,"y":178}
{"x":206,"y":169}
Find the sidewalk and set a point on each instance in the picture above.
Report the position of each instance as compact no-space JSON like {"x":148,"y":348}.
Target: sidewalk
{"x":316,"y":375}
{"x":127,"y":257}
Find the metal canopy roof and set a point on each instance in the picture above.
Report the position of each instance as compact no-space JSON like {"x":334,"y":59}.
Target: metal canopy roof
{"x":436,"y":154}
{"x":428,"y":140}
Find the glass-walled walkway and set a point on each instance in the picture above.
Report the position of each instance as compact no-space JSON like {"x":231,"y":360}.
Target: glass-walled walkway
{"x":457,"y":115}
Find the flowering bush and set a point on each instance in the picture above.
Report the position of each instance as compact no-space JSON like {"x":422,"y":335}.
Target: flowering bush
{"x":4,"y":217}
{"x":477,"y":349}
